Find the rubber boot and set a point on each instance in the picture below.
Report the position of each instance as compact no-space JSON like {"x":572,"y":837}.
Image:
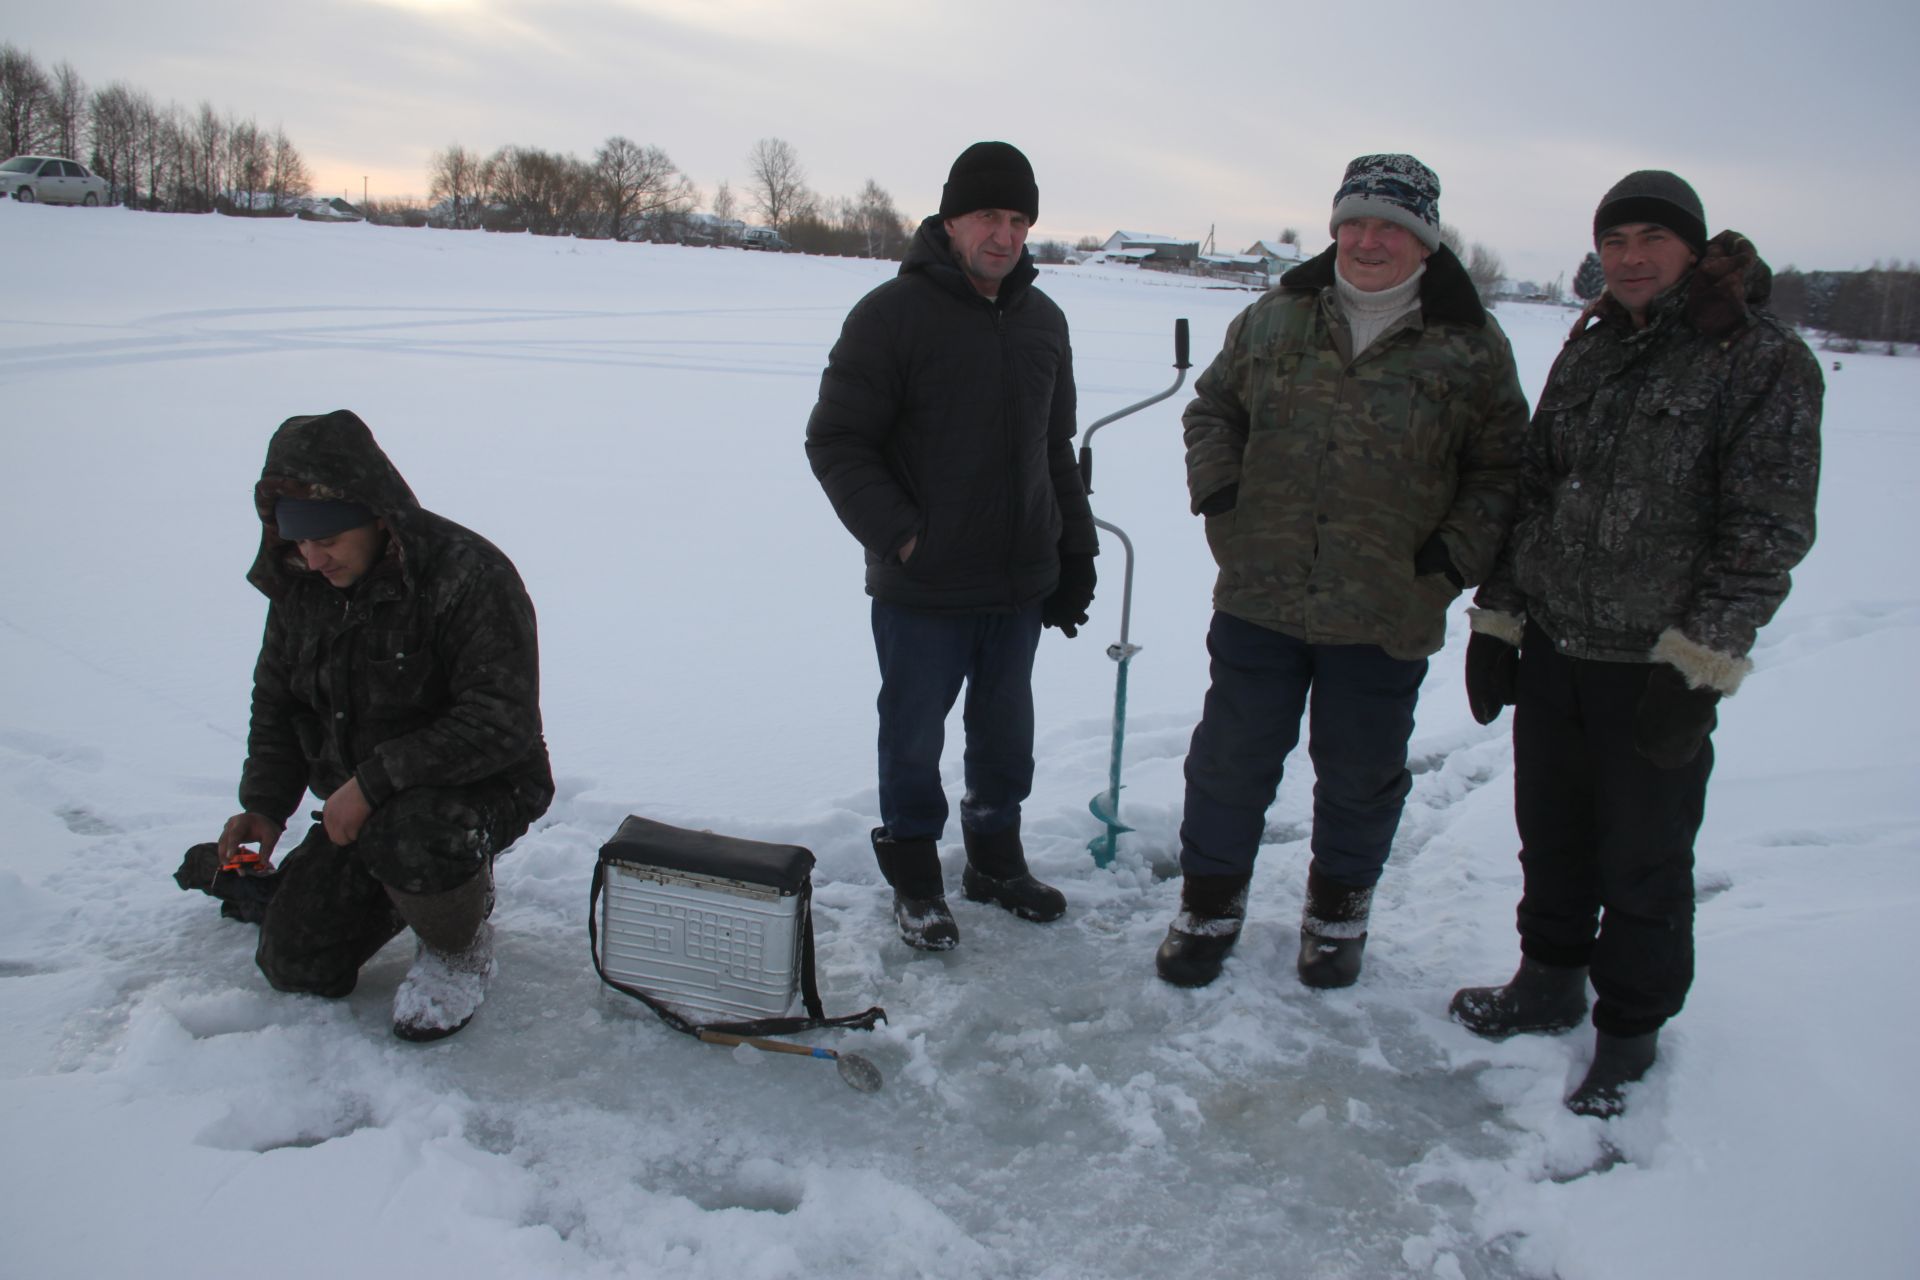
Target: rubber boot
{"x":452,"y":964}
{"x":912,"y":867}
{"x":1542,"y":998}
{"x":1212,"y":910}
{"x":1618,"y":1061}
{"x":1333,"y":932}
{"x":997,"y":873}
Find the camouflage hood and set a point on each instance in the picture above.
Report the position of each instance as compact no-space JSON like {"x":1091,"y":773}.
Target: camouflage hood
{"x":332,"y":456}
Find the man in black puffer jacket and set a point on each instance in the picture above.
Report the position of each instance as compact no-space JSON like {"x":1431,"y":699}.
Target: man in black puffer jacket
{"x":398,"y":680}
{"x":943,"y":437}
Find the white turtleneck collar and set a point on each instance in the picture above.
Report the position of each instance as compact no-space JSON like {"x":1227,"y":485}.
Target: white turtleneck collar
{"x":1369,"y":314}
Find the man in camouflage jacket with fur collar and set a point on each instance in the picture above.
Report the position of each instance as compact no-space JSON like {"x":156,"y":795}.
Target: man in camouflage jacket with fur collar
{"x":1668,"y":492}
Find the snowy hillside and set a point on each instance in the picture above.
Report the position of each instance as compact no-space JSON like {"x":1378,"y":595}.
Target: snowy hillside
{"x":625,"y":421}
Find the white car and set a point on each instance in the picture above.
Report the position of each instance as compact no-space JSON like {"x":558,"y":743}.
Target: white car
{"x":51,"y":180}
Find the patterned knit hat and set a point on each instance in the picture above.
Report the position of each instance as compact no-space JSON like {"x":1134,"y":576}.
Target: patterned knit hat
{"x":1656,"y":196}
{"x":1397,"y":188}
{"x":990,"y":175}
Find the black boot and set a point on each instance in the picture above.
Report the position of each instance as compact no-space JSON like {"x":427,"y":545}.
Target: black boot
{"x":1618,"y":1061}
{"x":1212,"y":909}
{"x":1333,"y":932}
{"x":243,"y":895}
{"x":1541,"y":998}
{"x":912,"y":867}
{"x":997,"y":873}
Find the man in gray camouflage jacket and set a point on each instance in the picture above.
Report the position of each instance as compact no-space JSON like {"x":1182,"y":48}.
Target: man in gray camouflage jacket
{"x":1354,"y":449}
{"x":1668,"y":490}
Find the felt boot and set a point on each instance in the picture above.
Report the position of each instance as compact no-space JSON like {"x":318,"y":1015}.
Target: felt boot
{"x":997,"y":872}
{"x":912,"y":867}
{"x":1541,"y":998}
{"x":1212,"y":910}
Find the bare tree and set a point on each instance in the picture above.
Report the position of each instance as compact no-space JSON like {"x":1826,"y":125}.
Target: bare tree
{"x":115,"y":118}
{"x":1290,"y":235}
{"x":454,"y":177}
{"x":724,"y":203}
{"x":778,"y":182}
{"x":882,"y":231}
{"x":1486,"y":271}
{"x":542,"y":191}
{"x":249,"y":159}
{"x":208,"y":135}
{"x":636,"y":184}
{"x":25,"y":98}
{"x":1450,"y":237}
{"x":287,"y":175}
{"x":67,"y":110}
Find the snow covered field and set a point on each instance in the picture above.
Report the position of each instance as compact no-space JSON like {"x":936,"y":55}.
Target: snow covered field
{"x":625,"y":421}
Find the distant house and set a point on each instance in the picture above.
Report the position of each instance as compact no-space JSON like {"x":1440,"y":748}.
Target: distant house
{"x":1149,"y":249}
{"x":1280,"y":255}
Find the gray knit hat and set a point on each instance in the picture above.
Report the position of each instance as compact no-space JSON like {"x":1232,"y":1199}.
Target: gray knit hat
{"x":1654,"y":195}
{"x":1397,"y":188}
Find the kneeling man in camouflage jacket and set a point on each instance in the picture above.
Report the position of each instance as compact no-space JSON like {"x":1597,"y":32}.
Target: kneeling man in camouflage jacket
{"x":1668,"y":491}
{"x":399,"y":679}
{"x":1354,"y":449}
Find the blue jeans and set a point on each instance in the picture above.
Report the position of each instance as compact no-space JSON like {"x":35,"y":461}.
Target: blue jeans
{"x":1362,"y":715}
{"x":924,"y":658}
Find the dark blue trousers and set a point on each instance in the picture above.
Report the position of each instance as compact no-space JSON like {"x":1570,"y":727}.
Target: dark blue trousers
{"x":924,"y":659}
{"x":1606,"y":837}
{"x":1361,"y":703}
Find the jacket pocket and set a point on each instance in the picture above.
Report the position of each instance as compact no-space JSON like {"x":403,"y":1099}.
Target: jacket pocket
{"x":402,"y":676}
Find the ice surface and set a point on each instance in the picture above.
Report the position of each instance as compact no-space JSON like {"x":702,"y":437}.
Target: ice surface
{"x":626,"y":422}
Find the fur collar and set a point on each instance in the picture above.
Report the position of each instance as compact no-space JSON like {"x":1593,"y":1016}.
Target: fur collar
{"x":1446,"y":293}
{"x":1717,"y":298}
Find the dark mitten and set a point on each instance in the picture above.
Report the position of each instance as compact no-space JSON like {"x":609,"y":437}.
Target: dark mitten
{"x":1066,"y":608}
{"x":1433,"y":557}
{"x":1672,"y":719}
{"x":1220,"y":501}
{"x":1493,"y":674}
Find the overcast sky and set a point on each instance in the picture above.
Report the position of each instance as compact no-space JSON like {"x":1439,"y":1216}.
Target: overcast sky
{"x":1796,"y":122}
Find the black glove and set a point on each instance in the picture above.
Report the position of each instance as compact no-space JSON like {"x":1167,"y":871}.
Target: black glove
{"x":1066,"y":608}
{"x":1433,"y":557}
{"x":1672,"y":720}
{"x":1493,"y":675}
{"x":1220,"y":501}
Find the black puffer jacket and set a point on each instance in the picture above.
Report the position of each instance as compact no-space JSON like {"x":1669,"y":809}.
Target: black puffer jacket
{"x":425,"y":672}
{"x":947,"y":416}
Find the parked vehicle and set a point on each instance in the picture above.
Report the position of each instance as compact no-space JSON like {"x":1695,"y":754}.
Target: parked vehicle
{"x":51,"y":180}
{"x":762,"y":238}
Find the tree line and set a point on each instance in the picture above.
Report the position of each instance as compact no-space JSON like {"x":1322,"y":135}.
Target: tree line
{"x":633,"y":191}
{"x":152,"y":157}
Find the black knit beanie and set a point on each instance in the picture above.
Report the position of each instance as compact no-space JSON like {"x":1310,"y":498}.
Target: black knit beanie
{"x":1654,"y":195}
{"x":990,"y":175}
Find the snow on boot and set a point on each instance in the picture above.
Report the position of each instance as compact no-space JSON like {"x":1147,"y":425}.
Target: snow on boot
{"x":1212,"y":909}
{"x":1333,"y":932}
{"x":1542,"y":998}
{"x":1618,"y":1061}
{"x":443,"y":990}
{"x":912,"y":867}
{"x":925,"y":923}
{"x":997,"y":872}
